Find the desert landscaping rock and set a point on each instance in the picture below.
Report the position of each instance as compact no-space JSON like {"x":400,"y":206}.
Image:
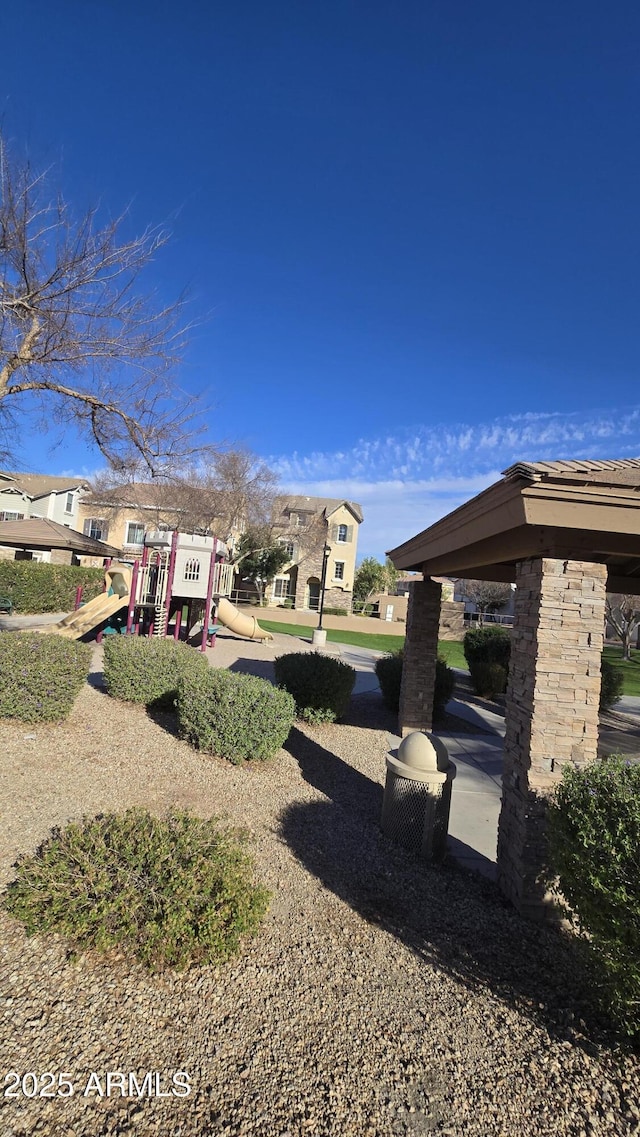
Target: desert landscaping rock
{"x":379,"y":998}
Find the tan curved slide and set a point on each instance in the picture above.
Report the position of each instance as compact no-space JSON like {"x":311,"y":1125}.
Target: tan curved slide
{"x":96,"y":611}
{"x":240,"y":622}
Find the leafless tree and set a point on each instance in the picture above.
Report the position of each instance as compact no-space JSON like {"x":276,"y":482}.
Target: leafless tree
{"x":487,"y":595}
{"x":233,"y":490}
{"x":80,"y":341}
{"x":623,"y":613}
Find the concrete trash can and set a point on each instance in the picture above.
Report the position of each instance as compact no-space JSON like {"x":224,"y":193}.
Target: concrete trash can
{"x":417,"y":796}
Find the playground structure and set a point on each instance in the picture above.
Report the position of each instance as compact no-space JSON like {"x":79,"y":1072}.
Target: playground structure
{"x":177,"y":570}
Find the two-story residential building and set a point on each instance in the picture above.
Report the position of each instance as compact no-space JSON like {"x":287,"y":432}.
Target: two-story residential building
{"x":308,"y":526}
{"x":28,"y":496}
{"x":124,"y":514}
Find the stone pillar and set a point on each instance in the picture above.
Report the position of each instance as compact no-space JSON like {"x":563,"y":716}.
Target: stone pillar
{"x":552,"y":710}
{"x":420,"y":652}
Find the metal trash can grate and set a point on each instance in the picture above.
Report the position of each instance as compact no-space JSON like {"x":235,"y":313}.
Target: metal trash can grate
{"x":417,"y":796}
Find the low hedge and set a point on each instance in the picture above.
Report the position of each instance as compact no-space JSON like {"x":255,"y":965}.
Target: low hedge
{"x":34,"y":588}
{"x":389,"y":673}
{"x":594,"y":836}
{"x":40,"y":675}
{"x":237,"y":717}
{"x":148,"y":670}
{"x":170,"y":892}
{"x":321,"y":686}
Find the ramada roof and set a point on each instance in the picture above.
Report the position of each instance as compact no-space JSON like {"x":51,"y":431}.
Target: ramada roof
{"x":568,"y":510}
{"x":41,"y":533}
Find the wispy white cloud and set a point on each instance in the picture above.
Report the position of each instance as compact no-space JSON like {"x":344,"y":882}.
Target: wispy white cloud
{"x":408,"y":480}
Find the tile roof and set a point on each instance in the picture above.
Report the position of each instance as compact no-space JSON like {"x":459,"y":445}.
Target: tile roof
{"x":318,"y":504}
{"x":585,"y":466}
{"x":37,"y":485}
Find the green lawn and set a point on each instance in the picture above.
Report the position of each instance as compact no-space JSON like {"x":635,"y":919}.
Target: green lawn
{"x":630,"y":668}
{"x":359,"y":639}
{"x":450,"y":649}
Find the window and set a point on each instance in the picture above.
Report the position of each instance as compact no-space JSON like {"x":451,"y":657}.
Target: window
{"x":281,"y":587}
{"x":192,"y":569}
{"x":300,"y":520}
{"x":97,"y":528}
{"x":289,"y":548}
{"x":69,"y":503}
{"x":10,"y":515}
{"x":342,"y":534}
{"x":338,"y":572}
{"x":135,"y":533}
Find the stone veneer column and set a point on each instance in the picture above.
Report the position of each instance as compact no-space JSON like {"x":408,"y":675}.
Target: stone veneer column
{"x":552,"y":710}
{"x":420,"y":652}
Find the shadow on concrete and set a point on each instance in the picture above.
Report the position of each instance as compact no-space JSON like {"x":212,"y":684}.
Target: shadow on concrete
{"x":262,"y":668}
{"x":451,"y":918}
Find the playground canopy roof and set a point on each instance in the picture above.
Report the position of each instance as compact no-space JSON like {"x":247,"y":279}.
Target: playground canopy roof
{"x":573,"y":510}
{"x":41,"y":533}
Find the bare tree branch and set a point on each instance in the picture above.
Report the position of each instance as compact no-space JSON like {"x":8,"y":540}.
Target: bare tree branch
{"x":77,"y":332}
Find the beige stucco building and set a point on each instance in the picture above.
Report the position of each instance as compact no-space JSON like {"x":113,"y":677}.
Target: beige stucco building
{"x":308,"y":526}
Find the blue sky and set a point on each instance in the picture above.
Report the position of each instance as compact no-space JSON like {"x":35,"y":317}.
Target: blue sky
{"x":412,"y":226}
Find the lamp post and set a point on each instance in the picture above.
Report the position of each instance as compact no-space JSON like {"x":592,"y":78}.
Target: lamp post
{"x":319,"y":638}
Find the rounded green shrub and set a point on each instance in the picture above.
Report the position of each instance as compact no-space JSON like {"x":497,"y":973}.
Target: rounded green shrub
{"x":170,"y":892}
{"x":148,"y":670}
{"x":237,"y":717}
{"x":317,"y":683}
{"x":487,"y":645}
{"x":389,"y":673}
{"x":40,"y":675}
{"x":594,"y":837}
{"x":612,"y":682}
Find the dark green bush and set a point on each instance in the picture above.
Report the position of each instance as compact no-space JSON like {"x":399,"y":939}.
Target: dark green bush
{"x":612,"y":682}
{"x":237,"y":717}
{"x":389,"y":673}
{"x":40,"y":675}
{"x":35,"y":587}
{"x":141,"y":670}
{"x":171,"y":893}
{"x":317,"y":683}
{"x":487,"y":645}
{"x":489,"y":679}
{"x":335,"y":611}
{"x":594,"y":838}
{"x":487,"y":652}
{"x":444,"y":687}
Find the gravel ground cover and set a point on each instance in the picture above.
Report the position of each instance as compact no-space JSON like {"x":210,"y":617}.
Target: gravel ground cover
{"x":380,"y":998}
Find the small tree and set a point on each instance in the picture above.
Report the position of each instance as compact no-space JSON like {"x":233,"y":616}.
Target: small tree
{"x":623,"y":613}
{"x":487,"y":595}
{"x":392,"y":575}
{"x":370,"y":577}
{"x":259,"y":558}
